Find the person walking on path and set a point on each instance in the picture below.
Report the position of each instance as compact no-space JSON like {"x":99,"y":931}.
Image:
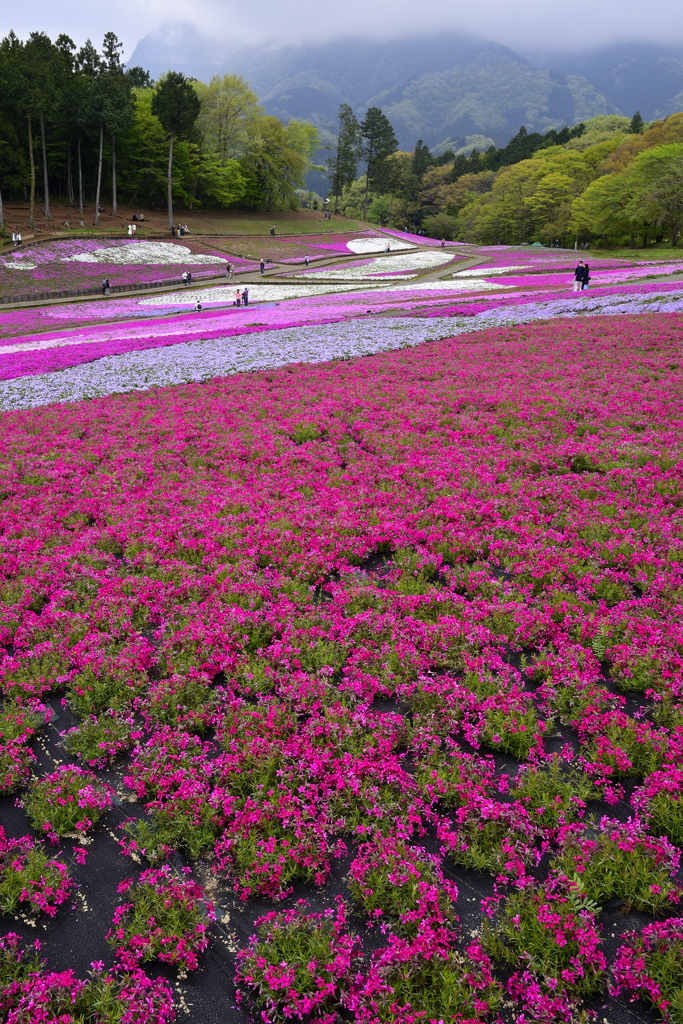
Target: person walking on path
{"x":104,"y":286}
{"x":189,"y":277}
{"x":263,"y":267}
{"x":578,"y":277}
{"x":14,"y":239}
{"x":18,"y":239}
{"x":245,"y":297}
{"x":272,"y":231}
{"x":443,"y":243}
{"x":184,"y":277}
{"x":306,"y":260}
{"x":586,"y":278}
{"x":229,"y":271}
{"x":238,"y":297}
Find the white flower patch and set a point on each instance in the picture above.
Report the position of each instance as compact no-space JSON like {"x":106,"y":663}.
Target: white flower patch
{"x":16,"y":265}
{"x":202,"y":360}
{"x":257,"y":293}
{"x":377,"y":269}
{"x":487,"y":271}
{"x":144,"y":252}
{"x":362,"y":245}
{"x":458,"y":286}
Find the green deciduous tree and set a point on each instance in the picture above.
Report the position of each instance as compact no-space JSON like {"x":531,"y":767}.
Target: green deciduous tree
{"x":656,"y":179}
{"x":229,"y":117}
{"x":176,"y":105}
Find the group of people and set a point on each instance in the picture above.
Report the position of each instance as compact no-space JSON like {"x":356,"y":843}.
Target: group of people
{"x":106,"y":287}
{"x":16,"y":239}
{"x":187,"y":277}
{"x":132,"y":228}
{"x":581,"y":277}
{"x":241,"y":298}
{"x":179,"y":229}
{"x":387,"y":248}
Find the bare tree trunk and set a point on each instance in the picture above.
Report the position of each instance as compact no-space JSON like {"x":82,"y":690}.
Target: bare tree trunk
{"x":99,"y":177}
{"x":46,"y":187}
{"x":69,"y":177}
{"x":32,"y":164}
{"x":336,"y":181}
{"x":80,"y":179}
{"x":170,"y":184}
{"x":113,"y":177}
{"x":365,"y":205}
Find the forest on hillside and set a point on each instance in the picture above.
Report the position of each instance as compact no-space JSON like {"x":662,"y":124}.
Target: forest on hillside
{"x":78,"y":125}
{"x":608,"y":180}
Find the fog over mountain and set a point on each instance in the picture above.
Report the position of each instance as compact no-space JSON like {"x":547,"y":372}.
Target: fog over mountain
{"x":451,"y":90}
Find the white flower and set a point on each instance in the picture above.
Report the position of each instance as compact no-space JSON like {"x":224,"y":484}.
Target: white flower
{"x":144,"y":252}
{"x":375,"y":244}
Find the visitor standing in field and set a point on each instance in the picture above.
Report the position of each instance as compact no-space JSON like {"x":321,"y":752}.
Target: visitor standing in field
{"x":245,"y":297}
{"x":578,"y":277}
{"x":228,"y":270}
{"x":586,"y":278}
{"x":306,"y":260}
{"x":263,"y":267}
{"x":238,"y":297}
{"x":272,"y":231}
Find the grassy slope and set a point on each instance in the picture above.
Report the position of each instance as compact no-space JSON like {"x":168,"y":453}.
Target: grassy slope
{"x":205,"y":222}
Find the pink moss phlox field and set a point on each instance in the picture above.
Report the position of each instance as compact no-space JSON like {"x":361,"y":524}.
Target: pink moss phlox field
{"x":421,"y":610}
{"x":55,"y":267}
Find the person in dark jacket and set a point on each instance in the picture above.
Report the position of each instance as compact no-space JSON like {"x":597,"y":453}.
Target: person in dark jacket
{"x":245,"y":296}
{"x":578,"y":277}
{"x":263,"y":267}
{"x":586,"y":278}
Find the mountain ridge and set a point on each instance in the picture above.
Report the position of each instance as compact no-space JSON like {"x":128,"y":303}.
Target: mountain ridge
{"x":447,"y":90}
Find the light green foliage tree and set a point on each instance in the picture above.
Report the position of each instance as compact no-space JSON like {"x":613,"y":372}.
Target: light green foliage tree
{"x":230,"y":116}
{"x":600,"y":129}
{"x":656,"y":180}
{"x":177,"y":106}
{"x":352,"y":199}
{"x":274,"y":167}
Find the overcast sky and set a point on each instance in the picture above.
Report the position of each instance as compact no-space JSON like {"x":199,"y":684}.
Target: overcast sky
{"x":523,"y":24}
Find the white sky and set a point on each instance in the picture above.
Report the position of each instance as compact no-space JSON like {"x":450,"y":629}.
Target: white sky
{"x":527,"y":25}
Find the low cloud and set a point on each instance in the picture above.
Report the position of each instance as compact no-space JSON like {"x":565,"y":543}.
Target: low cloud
{"x":527,"y":25}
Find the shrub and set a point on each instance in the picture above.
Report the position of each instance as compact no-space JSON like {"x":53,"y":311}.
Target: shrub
{"x":298,"y":964}
{"x":389,"y":878}
{"x":554,"y":793}
{"x":547,"y":931}
{"x":620,"y":861}
{"x":650,"y":965}
{"x":31,"y":995}
{"x":423,"y":980}
{"x":660,"y":803}
{"x":70,"y":800}
{"x":164,"y":918}
{"x":28,"y":875}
